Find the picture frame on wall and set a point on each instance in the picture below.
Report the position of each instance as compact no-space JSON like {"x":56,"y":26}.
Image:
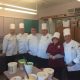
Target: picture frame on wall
{"x":74,"y":22}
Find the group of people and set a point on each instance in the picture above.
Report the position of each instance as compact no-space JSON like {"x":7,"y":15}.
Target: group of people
{"x":44,"y":50}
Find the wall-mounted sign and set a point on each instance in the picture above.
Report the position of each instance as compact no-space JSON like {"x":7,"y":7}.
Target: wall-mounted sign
{"x":66,"y":23}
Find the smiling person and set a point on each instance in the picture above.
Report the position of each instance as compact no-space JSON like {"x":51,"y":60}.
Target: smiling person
{"x":56,"y":56}
{"x":9,"y":42}
{"x":33,"y":43}
{"x":22,"y":41}
{"x":43,"y":44}
{"x":72,"y":55}
{"x":10,"y":45}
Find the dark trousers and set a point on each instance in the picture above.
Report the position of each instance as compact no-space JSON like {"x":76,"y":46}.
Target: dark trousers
{"x":4,"y":60}
{"x":74,"y":75}
{"x":2,"y":64}
{"x":32,"y":58}
{"x":22,"y":56}
{"x":10,"y":59}
{"x":60,"y":73}
{"x":42,"y":63}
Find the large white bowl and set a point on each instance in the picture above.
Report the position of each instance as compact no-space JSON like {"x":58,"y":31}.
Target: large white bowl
{"x":49,"y":71}
{"x":42,"y":75}
{"x":31,"y":77}
{"x":16,"y":78}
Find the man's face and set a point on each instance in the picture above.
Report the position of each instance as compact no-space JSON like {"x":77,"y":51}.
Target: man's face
{"x":21,"y":30}
{"x":12,"y":31}
{"x":67,"y":38}
{"x":33,"y":31}
{"x":44,"y":32}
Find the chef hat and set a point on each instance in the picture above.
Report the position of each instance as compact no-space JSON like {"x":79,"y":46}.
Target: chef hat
{"x":56,"y":35}
{"x":66,"y":32}
{"x":12,"y":26}
{"x":21,"y":25}
{"x":44,"y":26}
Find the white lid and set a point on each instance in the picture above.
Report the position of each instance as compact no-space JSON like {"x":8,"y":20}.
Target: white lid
{"x":56,"y":35}
{"x":12,"y":63}
{"x":21,"y":25}
{"x":48,"y":70}
{"x":42,"y":74}
{"x":66,"y":32}
{"x":12,"y":26}
{"x":32,"y":76}
{"x":16,"y":78}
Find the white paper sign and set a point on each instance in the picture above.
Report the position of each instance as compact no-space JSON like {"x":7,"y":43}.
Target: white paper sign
{"x":66,"y":23}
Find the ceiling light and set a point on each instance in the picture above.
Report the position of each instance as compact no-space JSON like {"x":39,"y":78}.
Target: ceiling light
{"x":78,"y":0}
{"x":1,"y":7}
{"x":20,"y":11}
{"x":18,"y":7}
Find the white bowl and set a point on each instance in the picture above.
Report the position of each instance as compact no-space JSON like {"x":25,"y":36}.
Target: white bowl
{"x":49,"y":70}
{"x":31,"y":77}
{"x":42,"y":75}
{"x":16,"y":78}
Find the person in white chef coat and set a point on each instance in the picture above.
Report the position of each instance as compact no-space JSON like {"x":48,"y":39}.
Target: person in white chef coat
{"x":22,"y":41}
{"x":72,"y":55}
{"x":10,"y":45}
{"x":43,"y":45}
{"x":33,"y":43}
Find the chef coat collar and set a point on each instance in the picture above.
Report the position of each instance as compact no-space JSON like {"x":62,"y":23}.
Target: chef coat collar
{"x":69,"y":42}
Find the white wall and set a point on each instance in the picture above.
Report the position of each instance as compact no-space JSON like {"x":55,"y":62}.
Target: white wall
{"x":60,"y":9}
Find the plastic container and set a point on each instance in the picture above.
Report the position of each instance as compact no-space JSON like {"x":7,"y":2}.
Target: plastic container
{"x":21,"y":63}
{"x":12,"y":67}
{"x":42,"y":75}
{"x":50,"y":72}
{"x":29,"y":67}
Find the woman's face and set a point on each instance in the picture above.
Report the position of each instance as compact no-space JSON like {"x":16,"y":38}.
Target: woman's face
{"x":55,"y":40}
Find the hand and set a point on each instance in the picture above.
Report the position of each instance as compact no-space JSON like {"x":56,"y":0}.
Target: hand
{"x":2,"y":54}
{"x":70,"y":64}
{"x":50,"y":56}
{"x":57,"y":56}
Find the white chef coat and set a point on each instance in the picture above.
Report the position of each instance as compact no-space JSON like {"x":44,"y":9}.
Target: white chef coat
{"x":33,"y":43}
{"x":10,"y":45}
{"x":72,"y":52}
{"x":43,"y":45}
{"x":22,"y":43}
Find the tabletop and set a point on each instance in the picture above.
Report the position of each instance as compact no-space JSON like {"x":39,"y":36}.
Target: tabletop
{"x":22,"y":73}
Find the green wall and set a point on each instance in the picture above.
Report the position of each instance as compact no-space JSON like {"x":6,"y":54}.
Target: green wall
{"x":31,"y":23}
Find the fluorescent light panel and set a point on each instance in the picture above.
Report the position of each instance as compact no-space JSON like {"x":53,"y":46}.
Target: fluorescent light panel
{"x":18,"y":7}
{"x":78,"y":0}
{"x":1,"y":7}
{"x":20,"y":11}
